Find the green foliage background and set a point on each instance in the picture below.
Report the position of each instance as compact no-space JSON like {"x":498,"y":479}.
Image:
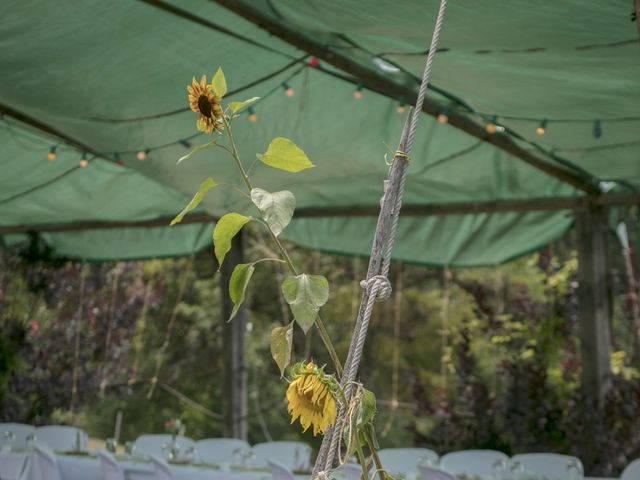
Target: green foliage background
{"x":507,"y":378}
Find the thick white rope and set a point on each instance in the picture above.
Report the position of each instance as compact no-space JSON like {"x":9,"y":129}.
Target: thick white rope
{"x":377,"y":285}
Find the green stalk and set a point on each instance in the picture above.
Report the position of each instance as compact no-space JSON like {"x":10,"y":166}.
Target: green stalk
{"x":376,"y":459}
{"x":324,"y":335}
{"x":362,"y":460}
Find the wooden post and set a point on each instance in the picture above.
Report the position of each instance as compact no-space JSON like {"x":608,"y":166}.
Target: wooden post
{"x":235,"y":368}
{"x":594,"y":295}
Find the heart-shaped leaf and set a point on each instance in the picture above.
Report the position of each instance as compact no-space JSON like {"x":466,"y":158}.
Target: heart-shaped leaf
{"x":205,"y":186}
{"x":285,"y":155}
{"x":219,"y":83}
{"x":227,"y":228}
{"x":281,"y":345}
{"x":238,"y":284}
{"x":277,"y":207}
{"x":305,"y":294}
{"x":237,"y":106}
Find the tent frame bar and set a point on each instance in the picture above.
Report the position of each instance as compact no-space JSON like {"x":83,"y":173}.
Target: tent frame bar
{"x":375,"y":80}
{"x":408,"y":210}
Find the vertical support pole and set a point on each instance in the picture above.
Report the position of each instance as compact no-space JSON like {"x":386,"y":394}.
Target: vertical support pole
{"x":235,"y":368}
{"x":594,"y":298}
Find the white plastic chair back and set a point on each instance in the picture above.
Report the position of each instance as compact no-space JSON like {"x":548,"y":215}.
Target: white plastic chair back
{"x":350,"y":471}
{"x":110,"y":468}
{"x":632,"y":471}
{"x":62,"y":438}
{"x":20,"y":433}
{"x":474,"y":462}
{"x":161,"y":469}
{"x":552,"y":466}
{"x":153,"y":444}
{"x":45,"y":465}
{"x":280,"y":471}
{"x":293,"y":455}
{"x":403,"y":461}
{"x":433,"y":473}
{"x":223,"y":450}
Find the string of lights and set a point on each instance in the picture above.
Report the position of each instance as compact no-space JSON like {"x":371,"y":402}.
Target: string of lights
{"x":492,"y":122}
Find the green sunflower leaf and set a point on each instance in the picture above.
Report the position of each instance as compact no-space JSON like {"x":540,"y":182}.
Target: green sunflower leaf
{"x":226,"y":228}
{"x":238,"y":284}
{"x":276,"y":208}
{"x":305,"y":294}
{"x":197,"y":149}
{"x":282,"y":153}
{"x":205,"y":186}
{"x":281,"y":346}
{"x":219,"y":83}
{"x":237,"y":106}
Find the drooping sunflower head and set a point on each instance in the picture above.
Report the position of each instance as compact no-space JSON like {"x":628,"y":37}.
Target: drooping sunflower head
{"x":204,"y":101}
{"x":311,"y":397}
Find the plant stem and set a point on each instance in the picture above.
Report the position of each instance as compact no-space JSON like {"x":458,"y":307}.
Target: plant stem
{"x":376,"y":459}
{"x":324,"y":335}
{"x":362,"y":460}
{"x":236,"y":155}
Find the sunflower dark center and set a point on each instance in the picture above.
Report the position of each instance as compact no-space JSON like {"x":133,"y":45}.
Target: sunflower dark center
{"x":204,"y":105}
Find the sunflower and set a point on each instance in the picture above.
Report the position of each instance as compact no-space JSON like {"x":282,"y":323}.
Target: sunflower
{"x":206,"y":104}
{"x":311,"y":397}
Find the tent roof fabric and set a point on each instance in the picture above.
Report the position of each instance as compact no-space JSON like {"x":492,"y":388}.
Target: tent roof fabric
{"x":107,"y":80}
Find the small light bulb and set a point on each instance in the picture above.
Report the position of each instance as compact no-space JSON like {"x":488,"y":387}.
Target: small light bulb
{"x":314,"y":63}
{"x":51,"y":156}
{"x":253,"y":118}
{"x":358,"y":93}
{"x":289,"y":92}
{"x":84,"y":163}
{"x":491,"y":127}
{"x":401,"y":106}
{"x":597,"y":129}
{"x":142,"y":155}
{"x":443,"y":118}
{"x":542,"y":128}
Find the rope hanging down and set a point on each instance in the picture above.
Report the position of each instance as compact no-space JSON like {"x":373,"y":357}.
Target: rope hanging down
{"x":377,"y":285}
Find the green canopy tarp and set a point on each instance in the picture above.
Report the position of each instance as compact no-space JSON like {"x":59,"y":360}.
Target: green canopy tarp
{"x":110,"y":78}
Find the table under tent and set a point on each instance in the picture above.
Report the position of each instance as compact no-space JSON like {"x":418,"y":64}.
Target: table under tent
{"x":530,"y":129}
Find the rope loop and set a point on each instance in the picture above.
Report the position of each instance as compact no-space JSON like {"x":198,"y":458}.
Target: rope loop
{"x":381,"y":284}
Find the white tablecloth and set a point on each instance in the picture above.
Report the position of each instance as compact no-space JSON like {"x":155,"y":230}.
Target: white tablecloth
{"x":12,"y":464}
{"x":74,"y":467}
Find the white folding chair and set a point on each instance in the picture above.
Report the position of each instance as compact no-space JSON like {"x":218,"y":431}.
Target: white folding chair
{"x":403,"y":461}
{"x":632,"y":471}
{"x":223,"y":450}
{"x":45,"y":465}
{"x":15,"y":434}
{"x":350,"y":471}
{"x":62,"y":438}
{"x":280,"y":471}
{"x":293,"y":455}
{"x":552,"y":466}
{"x":110,"y":468}
{"x":154,"y":444}
{"x":161,"y":468}
{"x":474,"y":462}
{"x":434,"y":473}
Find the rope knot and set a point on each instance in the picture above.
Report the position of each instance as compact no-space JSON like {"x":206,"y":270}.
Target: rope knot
{"x":380,"y":284}
{"x":322,"y":475}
